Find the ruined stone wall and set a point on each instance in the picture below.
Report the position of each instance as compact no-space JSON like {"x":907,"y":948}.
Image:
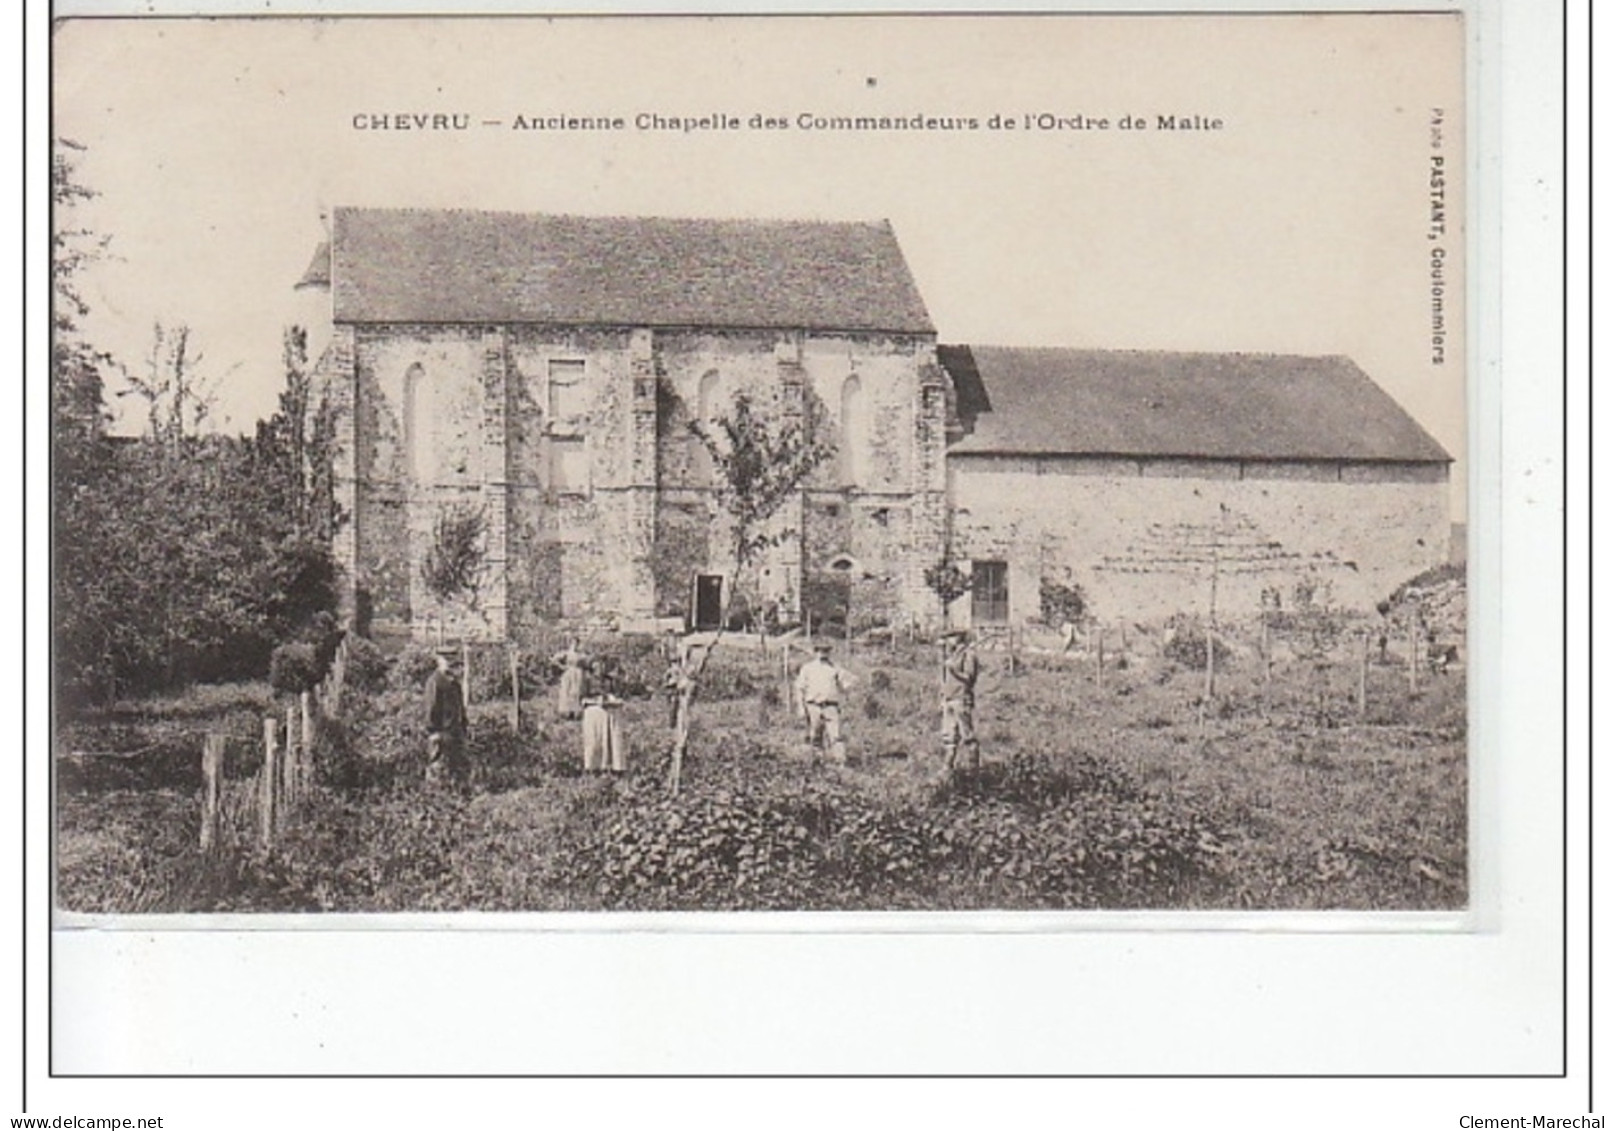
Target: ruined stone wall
{"x":574,"y":444}
{"x":1139,"y":535}
{"x":855,"y":508}
{"x":423,"y":443}
{"x":582,"y":506}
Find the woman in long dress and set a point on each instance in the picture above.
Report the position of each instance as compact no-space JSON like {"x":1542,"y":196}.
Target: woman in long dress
{"x":569,"y":694}
{"x":603,"y":746}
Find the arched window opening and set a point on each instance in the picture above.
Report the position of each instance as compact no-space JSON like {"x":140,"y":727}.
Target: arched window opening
{"x":418,"y":462}
{"x":706,"y":396}
{"x":854,"y":433}
{"x":707,"y":409}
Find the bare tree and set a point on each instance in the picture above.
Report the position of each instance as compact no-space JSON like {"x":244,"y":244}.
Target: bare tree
{"x":179,"y":398}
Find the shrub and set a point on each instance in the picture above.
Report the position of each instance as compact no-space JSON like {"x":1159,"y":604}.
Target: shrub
{"x":1186,"y":643}
{"x":1061,"y":604}
{"x":727,"y":683}
{"x":293,"y":668}
{"x":411,"y":667}
{"x":1020,"y":834}
{"x":367,"y":665}
{"x":635,"y":662}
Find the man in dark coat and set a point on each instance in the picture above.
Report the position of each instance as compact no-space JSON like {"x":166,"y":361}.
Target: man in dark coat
{"x":445,"y":721}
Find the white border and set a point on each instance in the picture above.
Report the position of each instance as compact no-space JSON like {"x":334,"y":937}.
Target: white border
{"x":1124,"y":1001}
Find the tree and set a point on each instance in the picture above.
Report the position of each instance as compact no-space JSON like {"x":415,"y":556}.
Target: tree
{"x":949,"y":582}
{"x":758,"y":466}
{"x":454,"y":563}
{"x":295,"y":447}
{"x":79,"y":448}
{"x":78,"y":415}
{"x":179,"y":399}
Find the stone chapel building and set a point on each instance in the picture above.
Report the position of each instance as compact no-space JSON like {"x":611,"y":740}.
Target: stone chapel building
{"x":543,"y":371}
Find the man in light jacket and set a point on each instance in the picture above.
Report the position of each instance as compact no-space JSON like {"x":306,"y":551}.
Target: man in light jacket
{"x":821,"y":688}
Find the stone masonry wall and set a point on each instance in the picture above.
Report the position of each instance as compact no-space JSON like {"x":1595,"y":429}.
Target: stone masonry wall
{"x":1138,"y":536}
{"x":574,"y":445}
{"x":422,"y":447}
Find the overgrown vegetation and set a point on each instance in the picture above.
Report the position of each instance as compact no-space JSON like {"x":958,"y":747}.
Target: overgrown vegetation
{"x":1092,"y":797}
{"x":180,"y":555}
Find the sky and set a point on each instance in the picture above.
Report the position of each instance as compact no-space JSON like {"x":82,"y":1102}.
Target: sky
{"x":1301,"y":225}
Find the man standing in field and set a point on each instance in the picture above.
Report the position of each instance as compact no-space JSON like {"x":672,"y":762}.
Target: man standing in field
{"x":960,"y":668}
{"x":445,"y":721}
{"x":820,"y":687}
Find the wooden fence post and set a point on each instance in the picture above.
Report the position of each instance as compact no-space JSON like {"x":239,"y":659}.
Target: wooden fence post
{"x":267,"y":788}
{"x":212,"y":771}
{"x":515,"y":689}
{"x":1267,"y":652}
{"x":288,"y":761}
{"x":1413,"y":658}
{"x":465,"y":672}
{"x":1362,"y":677}
{"x":305,"y":747}
{"x":1211,"y":663}
{"x":332,"y":702}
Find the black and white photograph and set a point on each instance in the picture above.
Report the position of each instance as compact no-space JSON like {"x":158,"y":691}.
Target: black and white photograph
{"x":973,"y":464}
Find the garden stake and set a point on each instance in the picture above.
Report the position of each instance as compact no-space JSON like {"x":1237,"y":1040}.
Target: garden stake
{"x":266,"y":788}
{"x":212,"y":764}
{"x":515,"y":690}
{"x":288,"y":772}
{"x":1413,"y":658}
{"x":305,"y":748}
{"x":1362,"y":678}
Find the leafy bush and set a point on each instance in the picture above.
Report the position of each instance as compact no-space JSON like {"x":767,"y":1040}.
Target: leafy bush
{"x":1186,"y":643}
{"x":727,"y":683}
{"x":1060,"y":604}
{"x":1021,"y":834}
{"x":411,"y":667}
{"x":294,"y":668}
{"x":635,"y":661}
{"x":455,"y":560}
{"x":367,"y":665}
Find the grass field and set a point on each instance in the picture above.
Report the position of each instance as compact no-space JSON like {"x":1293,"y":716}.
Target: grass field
{"x":1113,"y":796}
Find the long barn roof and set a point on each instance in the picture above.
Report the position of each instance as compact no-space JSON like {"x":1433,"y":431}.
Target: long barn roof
{"x":409,"y":265}
{"x":1193,"y":405}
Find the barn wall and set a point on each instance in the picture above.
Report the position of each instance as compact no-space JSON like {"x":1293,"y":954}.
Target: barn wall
{"x":1137,"y":540}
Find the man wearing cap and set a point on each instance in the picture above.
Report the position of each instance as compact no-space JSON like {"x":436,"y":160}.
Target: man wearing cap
{"x":445,"y":721}
{"x":820,"y":686}
{"x":959,"y":671}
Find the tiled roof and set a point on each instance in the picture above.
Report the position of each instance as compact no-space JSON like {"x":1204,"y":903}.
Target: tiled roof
{"x":404,"y":265}
{"x":1208,"y":405}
